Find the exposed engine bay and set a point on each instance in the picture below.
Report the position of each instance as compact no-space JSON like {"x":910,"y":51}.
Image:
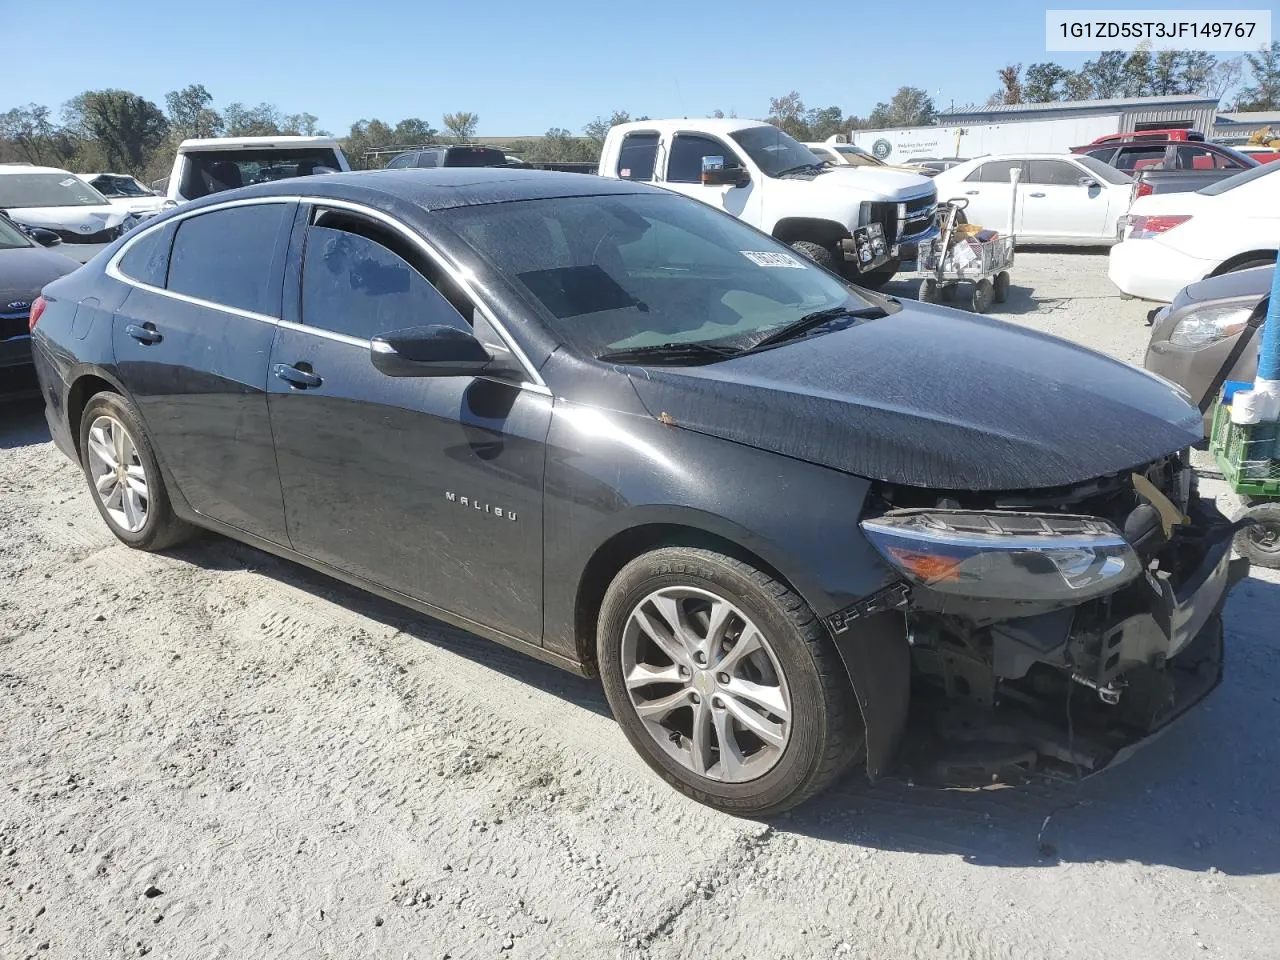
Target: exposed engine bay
{"x":1045,"y":627}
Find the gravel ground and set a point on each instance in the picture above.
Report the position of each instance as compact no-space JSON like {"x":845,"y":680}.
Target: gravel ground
{"x":215,"y":753}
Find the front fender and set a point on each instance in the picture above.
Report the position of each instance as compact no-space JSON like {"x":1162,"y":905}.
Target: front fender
{"x":609,"y":472}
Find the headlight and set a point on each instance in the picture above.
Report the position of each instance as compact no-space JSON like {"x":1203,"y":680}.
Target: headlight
{"x":128,"y":223}
{"x":1005,"y":556}
{"x":1209,"y":325}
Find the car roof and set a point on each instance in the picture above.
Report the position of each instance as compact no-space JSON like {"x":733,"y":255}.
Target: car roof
{"x":251,"y":143}
{"x":30,"y":168}
{"x":437,"y":188}
{"x":720,"y":125}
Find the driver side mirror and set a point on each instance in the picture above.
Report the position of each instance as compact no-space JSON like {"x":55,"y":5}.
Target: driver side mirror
{"x":434,"y":351}
{"x":715,"y":173}
{"x":46,"y":238}
{"x":1088,"y":182}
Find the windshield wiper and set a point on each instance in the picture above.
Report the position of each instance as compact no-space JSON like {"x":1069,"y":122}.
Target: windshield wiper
{"x":683,"y":353}
{"x":811,"y":321}
{"x":800,"y":169}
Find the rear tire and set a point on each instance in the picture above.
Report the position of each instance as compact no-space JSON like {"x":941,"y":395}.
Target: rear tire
{"x":705,"y":691}
{"x":928,"y":291}
{"x":1249,"y":265}
{"x":124,"y":478}
{"x":822,"y":256}
{"x":983,"y":293}
{"x":1001,"y":286}
{"x":1261,"y":543}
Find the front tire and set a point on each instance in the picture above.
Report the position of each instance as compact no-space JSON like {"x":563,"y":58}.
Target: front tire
{"x":124,"y":477}
{"x":877,"y":278}
{"x":725,"y":681}
{"x":821,"y":255}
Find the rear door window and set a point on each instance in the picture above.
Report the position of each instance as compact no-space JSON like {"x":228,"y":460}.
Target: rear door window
{"x":994,"y":171}
{"x":227,"y":257}
{"x":1200,"y":158}
{"x":1055,"y":173}
{"x":638,"y":156}
{"x":404,"y":160}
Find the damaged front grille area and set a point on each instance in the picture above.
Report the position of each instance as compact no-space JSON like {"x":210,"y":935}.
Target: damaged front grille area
{"x":1125,"y":647}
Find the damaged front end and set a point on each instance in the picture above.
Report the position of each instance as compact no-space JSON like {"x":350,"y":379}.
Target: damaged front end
{"x":1043,"y":627}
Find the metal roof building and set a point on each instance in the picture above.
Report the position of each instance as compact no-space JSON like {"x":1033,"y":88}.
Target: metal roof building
{"x":1134,"y":113}
{"x":1238,"y":127}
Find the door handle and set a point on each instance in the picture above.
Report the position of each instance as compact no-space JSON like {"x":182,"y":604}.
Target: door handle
{"x":972,"y":193}
{"x":144,"y":333}
{"x":1037,"y":194}
{"x":300,"y":379}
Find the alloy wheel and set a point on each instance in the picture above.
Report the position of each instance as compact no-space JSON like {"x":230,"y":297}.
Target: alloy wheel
{"x":706,"y":684}
{"x":117,"y":474}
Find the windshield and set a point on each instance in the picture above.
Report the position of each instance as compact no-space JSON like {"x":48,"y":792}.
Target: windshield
{"x":116,"y":185}
{"x":47,"y":190}
{"x":11,"y":237}
{"x":474,"y":157}
{"x":212,"y":171}
{"x":1230,"y":183}
{"x":619,"y":272}
{"x":1102,"y":170}
{"x":773,"y":151}
{"x":858,"y":158}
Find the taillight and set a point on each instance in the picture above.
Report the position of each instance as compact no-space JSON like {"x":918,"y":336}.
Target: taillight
{"x":1143,"y":228}
{"x":37,"y":308}
{"x":1143,"y":189}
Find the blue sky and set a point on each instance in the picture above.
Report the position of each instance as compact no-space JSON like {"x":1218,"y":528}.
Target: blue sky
{"x":526,"y":66}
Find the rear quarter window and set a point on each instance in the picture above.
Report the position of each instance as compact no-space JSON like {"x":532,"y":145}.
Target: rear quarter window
{"x":227,"y":257}
{"x":147,"y":259}
{"x":637,"y":156}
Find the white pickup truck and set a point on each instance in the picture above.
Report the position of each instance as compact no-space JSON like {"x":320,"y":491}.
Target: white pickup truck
{"x":210,"y":166}
{"x":836,"y":215}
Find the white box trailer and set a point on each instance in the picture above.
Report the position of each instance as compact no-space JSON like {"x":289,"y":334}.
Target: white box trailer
{"x":976,"y":139}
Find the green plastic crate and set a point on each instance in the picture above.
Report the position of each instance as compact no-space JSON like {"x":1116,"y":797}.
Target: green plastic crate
{"x":1246,"y":453}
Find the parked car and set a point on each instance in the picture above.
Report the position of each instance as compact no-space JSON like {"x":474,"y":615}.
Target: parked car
{"x":849,"y":155}
{"x":204,"y":167}
{"x":59,"y":201}
{"x":629,"y":434}
{"x":1172,"y":166}
{"x":1171,"y":240}
{"x":765,"y":178}
{"x":452,"y":155}
{"x":1259,"y":152}
{"x":1210,"y":334}
{"x":25,"y":267}
{"x":1062,"y":197}
{"x":936,"y":166}
{"x":125,"y":193}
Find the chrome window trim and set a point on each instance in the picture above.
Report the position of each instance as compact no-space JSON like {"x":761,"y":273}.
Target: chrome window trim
{"x":535,"y":382}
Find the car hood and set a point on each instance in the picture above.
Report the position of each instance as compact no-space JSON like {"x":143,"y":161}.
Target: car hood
{"x":1228,"y":286}
{"x":897,"y":184}
{"x":87,"y":219}
{"x":931,"y":397}
{"x":25,"y":270}
{"x":137,"y":204}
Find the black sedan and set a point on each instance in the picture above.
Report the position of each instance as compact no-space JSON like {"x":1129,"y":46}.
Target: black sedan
{"x":25,"y":267}
{"x":628,"y":434}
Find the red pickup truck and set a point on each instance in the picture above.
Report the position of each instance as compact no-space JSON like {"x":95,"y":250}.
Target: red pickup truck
{"x":1141,"y":136}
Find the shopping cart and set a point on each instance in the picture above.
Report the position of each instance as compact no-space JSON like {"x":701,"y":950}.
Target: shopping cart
{"x":943,"y":265}
{"x":1249,"y":457}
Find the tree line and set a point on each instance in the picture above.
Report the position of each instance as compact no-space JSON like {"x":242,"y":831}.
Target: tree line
{"x":120,"y":131}
{"x":1141,"y":73}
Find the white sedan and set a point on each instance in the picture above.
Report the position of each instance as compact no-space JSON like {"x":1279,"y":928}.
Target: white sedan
{"x":60,"y":201}
{"x":1062,"y":197}
{"x":1173,"y":239}
{"x":125,"y":192}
